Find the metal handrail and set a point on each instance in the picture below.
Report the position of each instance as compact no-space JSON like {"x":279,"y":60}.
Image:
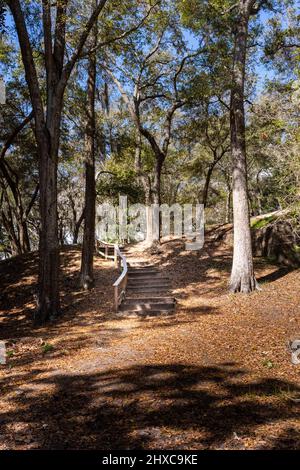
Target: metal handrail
{"x":121,"y":282}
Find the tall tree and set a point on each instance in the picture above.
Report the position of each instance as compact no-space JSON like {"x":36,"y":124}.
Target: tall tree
{"x":242,"y":274}
{"x":88,"y":245}
{"x":58,"y":68}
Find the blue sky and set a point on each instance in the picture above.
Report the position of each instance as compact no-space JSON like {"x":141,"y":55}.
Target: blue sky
{"x":261,"y":70}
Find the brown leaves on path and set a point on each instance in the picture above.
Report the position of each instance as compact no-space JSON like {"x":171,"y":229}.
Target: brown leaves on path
{"x":217,"y":374}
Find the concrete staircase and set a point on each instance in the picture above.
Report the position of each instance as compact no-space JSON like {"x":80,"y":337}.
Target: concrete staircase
{"x":147,"y":292}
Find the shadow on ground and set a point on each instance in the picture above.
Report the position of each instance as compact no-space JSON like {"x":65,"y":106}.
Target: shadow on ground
{"x":148,"y":406}
{"x":18,"y":294}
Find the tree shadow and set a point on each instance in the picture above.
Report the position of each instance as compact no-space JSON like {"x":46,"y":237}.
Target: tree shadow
{"x":158,"y":406}
{"x":281,"y":272}
{"x":207,"y":270}
{"x":17,"y":300}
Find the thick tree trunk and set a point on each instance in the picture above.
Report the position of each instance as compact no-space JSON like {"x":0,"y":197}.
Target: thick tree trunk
{"x":47,"y":130}
{"x":88,"y":246}
{"x":48,"y":298}
{"x":242,"y":274}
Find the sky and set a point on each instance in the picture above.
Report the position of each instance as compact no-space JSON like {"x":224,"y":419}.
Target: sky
{"x":261,"y":70}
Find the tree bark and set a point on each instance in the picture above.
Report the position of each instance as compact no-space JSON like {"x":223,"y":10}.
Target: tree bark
{"x":242,"y":274}
{"x":157,"y":179}
{"x":77,"y":225}
{"x":228,"y":207}
{"x":160,"y":158}
{"x":88,"y":246}
{"x":48,"y":303}
{"x":206,"y":186}
{"x":143,"y":177}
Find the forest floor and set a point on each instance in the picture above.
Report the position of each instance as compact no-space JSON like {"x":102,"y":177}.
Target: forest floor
{"x":217,"y":374}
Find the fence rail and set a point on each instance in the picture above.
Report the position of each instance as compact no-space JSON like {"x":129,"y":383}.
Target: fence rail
{"x":121,"y":283}
{"x":106,"y":250}
{"x":113,"y":252}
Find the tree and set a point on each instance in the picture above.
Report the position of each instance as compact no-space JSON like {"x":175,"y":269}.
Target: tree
{"x":88,"y":244}
{"x":157,"y":79}
{"x":242,"y":273}
{"x":14,"y":209}
{"x":58,"y":69}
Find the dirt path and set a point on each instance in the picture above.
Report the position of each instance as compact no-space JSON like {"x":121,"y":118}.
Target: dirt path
{"x":216,"y":374}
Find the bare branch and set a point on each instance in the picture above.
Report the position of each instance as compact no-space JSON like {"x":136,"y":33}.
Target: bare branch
{"x":230,"y":9}
{"x":27,"y":56}
{"x":154,"y":97}
{"x":76,"y":54}
{"x":32,"y":200}
{"x":180,"y":68}
{"x":14,"y":134}
{"x":60,"y":33}
{"x":122,"y":35}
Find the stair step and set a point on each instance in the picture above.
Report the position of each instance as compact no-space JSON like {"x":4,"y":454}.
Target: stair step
{"x":135,"y":286}
{"x":147,"y":290}
{"x":139,"y":272}
{"x":139,"y":306}
{"x":141,"y":264}
{"x":139,"y":268}
{"x":141,"y":285}
{"x":146,"y":278}
{"x":143,"y":282}
{"x":145,"y":313}
{"x":150,"y":299}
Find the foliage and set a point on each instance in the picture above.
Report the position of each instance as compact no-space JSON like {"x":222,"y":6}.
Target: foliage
{"x":146,"y":56}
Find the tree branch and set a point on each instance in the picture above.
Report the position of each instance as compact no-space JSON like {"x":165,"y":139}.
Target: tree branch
{"x":60,"y":34}
{"x":27,"y":56}
{"x":14,"y":134}
{"x":32,"y":200}
{"x":124,"y":34}
{"x":76,"y":54}
{"x":47,"y":36}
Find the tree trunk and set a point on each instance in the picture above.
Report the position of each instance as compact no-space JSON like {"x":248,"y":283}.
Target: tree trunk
{"x":228,"y":207}
{"x":48,"y":298}
{"x":206,"y":186}
{"x":143,"y":177}
{"x":157,"y":180}
{"x":157,"y":190}
{"x":24,"y":237}
{"x":47,"y":131}
{"x":242,"y":274}
{"x":77,"y":226}
{"x":88,"y":246}
{"x":7,"y":220}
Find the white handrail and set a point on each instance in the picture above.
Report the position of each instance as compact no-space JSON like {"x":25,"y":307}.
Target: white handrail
{"x":105,"y":246}
{"x":121,"y":282}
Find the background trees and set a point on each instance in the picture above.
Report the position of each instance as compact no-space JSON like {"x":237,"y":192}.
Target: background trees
{"x":150,"y":99}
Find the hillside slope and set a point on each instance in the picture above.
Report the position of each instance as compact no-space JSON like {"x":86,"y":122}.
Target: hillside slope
{"x":216,"y":374}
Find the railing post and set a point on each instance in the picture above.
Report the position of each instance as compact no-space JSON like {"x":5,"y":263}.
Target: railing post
{"x":116,"y":298}
{"x":120,"y":284}
{"x":115,"y":256}
{"x":106,"y":251}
